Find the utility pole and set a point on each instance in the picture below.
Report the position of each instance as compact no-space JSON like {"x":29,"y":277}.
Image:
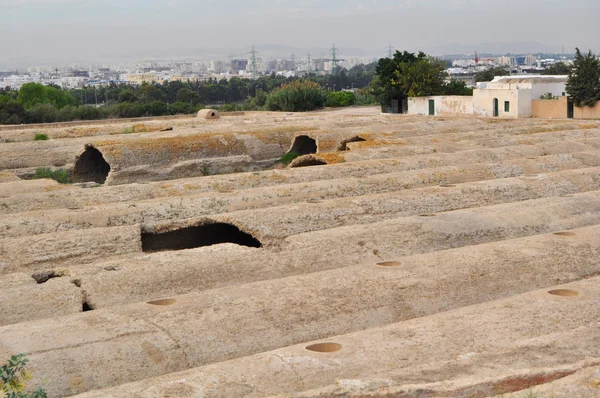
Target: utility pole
{"x":253,"y":66}
{"x":334,"y":53}
{"x":309,"y":67}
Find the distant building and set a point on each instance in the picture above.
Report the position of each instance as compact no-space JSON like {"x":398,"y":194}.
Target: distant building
{"x":238,"y":65}
{"x":139,"y":78}
{"x":217,"y":66}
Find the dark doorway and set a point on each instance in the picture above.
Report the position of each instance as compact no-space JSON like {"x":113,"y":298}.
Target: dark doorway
{"x":91,"y":166}
{"x":496,"y":110}
{"x":431,"y":107}
{"x":570,"y":109}
{"x":198,"y":236}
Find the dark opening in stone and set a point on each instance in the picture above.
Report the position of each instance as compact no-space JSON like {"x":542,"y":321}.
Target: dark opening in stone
{"x":198,"y":236}
{"x":91,"y":166}
{"x":304,"y":145}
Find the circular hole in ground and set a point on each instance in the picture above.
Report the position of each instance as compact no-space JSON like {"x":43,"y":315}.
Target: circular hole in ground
{"x":564,"y":293}
{"x":390,"y":264}
{"x":564,"y":233}
{"x":324,"y":347}
{"x":444,"y":185}
{"x":163,"y":302}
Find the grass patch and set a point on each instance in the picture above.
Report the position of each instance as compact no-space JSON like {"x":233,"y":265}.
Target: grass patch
{"x":61,"y":176}
{"x":40,"y":137}
{"x":289,"y":157}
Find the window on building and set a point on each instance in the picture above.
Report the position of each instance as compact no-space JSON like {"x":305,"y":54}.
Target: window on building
{"x":506,"y":106}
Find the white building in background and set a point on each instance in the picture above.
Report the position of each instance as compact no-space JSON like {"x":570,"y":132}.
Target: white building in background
{"x":217,"y":66}
{"x":505,"y":97}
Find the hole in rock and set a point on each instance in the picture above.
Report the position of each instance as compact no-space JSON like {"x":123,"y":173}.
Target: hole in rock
{"x":564,"y":293}
{"x":86,"y":307}
{"x":304,"y":145}
{"x":324,"y":347}
{"x":198,"y":236}
{"x":212,"y":114}
{"x":564,"y":233}
{"x":162,"y":302}
{"x":344,"y":147}
{"x":390,"y":264}
{"x":91,"y":166}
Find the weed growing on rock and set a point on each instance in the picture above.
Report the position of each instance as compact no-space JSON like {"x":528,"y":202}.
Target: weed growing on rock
{"x":61,"y":176}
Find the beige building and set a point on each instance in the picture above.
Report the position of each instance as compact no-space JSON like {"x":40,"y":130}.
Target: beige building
{"x":139,"y":78}
{"x":505,"y":97}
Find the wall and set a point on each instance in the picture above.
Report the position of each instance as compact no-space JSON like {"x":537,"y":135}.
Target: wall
{"x":539,"y":89}
{"x":483,"y":102}
{"x":549,"y":109}
{"x":587,"y":112}
{"x":444,"y":105}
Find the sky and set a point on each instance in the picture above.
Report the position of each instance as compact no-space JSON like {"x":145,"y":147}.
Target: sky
{"x":55,"y":31}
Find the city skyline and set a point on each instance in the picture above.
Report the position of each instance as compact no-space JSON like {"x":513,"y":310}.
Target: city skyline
{"x":67,"y":31}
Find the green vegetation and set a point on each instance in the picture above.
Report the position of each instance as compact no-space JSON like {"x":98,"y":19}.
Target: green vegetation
{"x":297,"y":96}
{"x":61,"y":176}
{"x":548,"y":96}
{"x":36,"y":103}
{"x":410,"y":75}
{"x":584,"y":79}
{"x":14,"y":377}
{"x":40,"y":137}
{"x":289,"y":157}
{"x":340,"y":98}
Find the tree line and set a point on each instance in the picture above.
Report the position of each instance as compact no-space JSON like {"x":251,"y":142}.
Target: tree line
{"x":404,"y":75}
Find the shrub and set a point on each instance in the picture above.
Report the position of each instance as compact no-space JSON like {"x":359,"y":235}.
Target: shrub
{"x":289,"y":157}
{"x":42,"y":113}
{"x":40,"y":137}
{"x":298,"y":96}
{"x":340,"y":98}
{"x":14,"y":377}
{"x":61,"y":176}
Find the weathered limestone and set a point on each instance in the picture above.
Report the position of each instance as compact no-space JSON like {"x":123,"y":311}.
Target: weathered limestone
{"x":487,"y":349}
{"x":110,"y":283}
{"x":157,"y":210}
{"x":232,"y":322}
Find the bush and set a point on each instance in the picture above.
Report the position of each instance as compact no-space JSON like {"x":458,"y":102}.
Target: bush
{"x":40,"y":137}
{"x":340,"y":98}
{"x":298,"y":96}
{"x":14,"y":377}
{"x":42,"y":113}
{"x":61,"y":176}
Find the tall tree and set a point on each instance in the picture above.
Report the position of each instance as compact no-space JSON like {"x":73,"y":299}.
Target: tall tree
{"x":424,"y":76}
{"x":584,"y":79}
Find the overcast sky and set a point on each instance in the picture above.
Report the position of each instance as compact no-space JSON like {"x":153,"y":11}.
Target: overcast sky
{"x":94,"y":30}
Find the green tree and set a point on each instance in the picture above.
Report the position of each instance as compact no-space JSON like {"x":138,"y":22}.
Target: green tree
{"x":188,"y":96}
{"x":422,"y":77}
{"x":488,"y":75}
{"x":584,"y":79}
{"x":42,"y":113}
{"x":385,"y":72}
{"x":558,"y":68}
{"x":32,"y":94}
{"x":14,"y":377}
